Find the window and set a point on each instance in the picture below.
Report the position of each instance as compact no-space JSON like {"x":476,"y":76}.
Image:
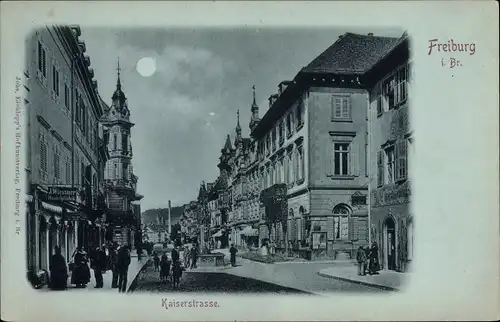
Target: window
{"x":57,"y":166}
{"x":290,"y":167}
{"x":43,"y":156}
{"x":300,"y":163}
{"x":341,"y":159}
{"x":300,"y":109}
{"x":273,"y":142}
{"x":289,"y":124}
{"x":77,"y":107}
{"x":282,"y":172}
{"x":125,"y":171}
{"x":42,"y":59}
{"x":341,"y":222}
{"x":341,"y":108}
{"x":66,"y":96}
{"x":396,"y":87}
{"x":268,"y":144}
{"x":55,"y":80}
{"x":124,"y":143}
{"x":116,"y":171}
{"x":380,"y":109}
{"x":380,"y":168}
{"x":114,"y":142}
{"x":77,"y":170}
{"x":271,"y":175}
{"x":390,"y":168}
{"x":281,"y":132}
{"x":68,"y":171}
{"x":401,"y":164}
{"x":84,"y":118}
{"x":410,"y":153}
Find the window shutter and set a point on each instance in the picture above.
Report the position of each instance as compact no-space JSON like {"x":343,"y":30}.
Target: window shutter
{"x":403,"y":156}
{"x":379,"y":106}
{"x":346,"y":107}
{"x":380,"y":167}
{"x":354,"y":159}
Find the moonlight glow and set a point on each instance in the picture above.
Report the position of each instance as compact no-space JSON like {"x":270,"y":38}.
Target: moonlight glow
{"x":146,"y":66}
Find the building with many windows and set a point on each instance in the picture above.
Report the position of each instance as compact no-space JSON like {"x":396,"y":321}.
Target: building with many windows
{"x":65,"y":200}
{"x":314,"y":141}
{"x":391,"y":149}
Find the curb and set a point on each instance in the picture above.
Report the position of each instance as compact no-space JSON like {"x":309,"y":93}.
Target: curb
{"x":383,"y":287}
{"x":135,"y":281}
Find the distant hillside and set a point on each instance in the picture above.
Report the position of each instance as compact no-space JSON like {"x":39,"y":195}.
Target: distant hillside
{"x":161,"y":214}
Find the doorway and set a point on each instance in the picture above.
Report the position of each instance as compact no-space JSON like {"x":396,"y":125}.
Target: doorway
{"x":390,"y":244}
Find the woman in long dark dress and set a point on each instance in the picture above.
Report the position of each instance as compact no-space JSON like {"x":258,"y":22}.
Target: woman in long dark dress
{"x":164,"y":268}
{"x":81,"y":272}
{"x":58,"y":271}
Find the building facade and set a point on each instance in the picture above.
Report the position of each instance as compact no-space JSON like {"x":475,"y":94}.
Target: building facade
{"x":65,"y":200}
{"x":391,"y":149}
{"x":120,"y":180}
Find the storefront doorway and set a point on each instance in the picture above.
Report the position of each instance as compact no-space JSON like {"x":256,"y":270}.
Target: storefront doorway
{"x":390,"y":244}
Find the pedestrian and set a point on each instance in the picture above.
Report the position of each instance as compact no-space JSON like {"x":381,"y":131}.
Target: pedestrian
{"x":164,"y":268}
{"x":58,"y":271}
{"x":219,"y":244}
{"x":175,"y":254}
{"x":194,"y":255}
{"x":361,"y":259}
{"x":156,"y":261}
{"x":374,"y":263}
{"x":98,"y":264}
{"x":187,"y":256}
{"x":176,"y":274}
{"x":233,"y":252}
{"x":122,"y":266}
{"x":113,"y":258}
{"x":81,"y":272}
{"x":366,"y":269}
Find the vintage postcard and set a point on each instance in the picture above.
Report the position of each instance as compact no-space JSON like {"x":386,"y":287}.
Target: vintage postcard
{"x":168,"y":161}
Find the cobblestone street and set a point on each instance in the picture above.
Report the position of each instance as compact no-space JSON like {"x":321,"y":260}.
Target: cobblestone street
{"x":253,"y":277}
{"x":209,"y":282}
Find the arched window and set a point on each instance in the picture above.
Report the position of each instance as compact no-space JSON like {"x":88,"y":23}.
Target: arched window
{"x":341,"y":214}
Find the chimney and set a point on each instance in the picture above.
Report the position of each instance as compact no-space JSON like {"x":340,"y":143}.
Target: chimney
{"x":370,"y":34}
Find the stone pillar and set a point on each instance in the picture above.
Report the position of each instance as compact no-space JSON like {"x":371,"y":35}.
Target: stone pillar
{"x":47,"y":244}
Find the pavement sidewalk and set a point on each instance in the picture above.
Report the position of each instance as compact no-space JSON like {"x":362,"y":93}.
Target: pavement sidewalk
{"x":388,"y":280}
{"x":134,"y":273}
{"x":292,"y":274}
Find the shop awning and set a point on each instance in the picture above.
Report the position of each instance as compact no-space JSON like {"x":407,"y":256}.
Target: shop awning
{"x":249,"y":231}
{"x":217,"y":234}
{"x":29,"y":198}
{"x":52,"y":208}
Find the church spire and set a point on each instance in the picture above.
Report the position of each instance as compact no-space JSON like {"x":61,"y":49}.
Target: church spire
{"x":254,"y":104}
{"x":254,"y":119}
{"x":238,"y":127}
{"x":118,"y":69}
{"x":118,"y":95}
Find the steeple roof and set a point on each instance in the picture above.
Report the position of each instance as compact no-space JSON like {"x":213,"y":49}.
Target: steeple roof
{"x":119,"y":94}
{"x":254,"y":104}
{"x":238,"y":127}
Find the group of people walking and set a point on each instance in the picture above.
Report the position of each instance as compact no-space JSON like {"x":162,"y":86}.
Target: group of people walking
{"x":367,"y":259}
{"x":102,"y":259}
{"x":170,"y":270}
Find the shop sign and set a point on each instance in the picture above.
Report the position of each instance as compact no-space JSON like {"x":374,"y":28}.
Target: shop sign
{"x":62,"y":194}
{"x":392,"y":195}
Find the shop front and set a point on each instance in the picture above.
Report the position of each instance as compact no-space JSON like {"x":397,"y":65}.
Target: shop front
{"x":392,"y":227}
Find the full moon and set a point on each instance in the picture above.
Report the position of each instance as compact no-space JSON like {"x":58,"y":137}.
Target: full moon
{"x":146,"y":66}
